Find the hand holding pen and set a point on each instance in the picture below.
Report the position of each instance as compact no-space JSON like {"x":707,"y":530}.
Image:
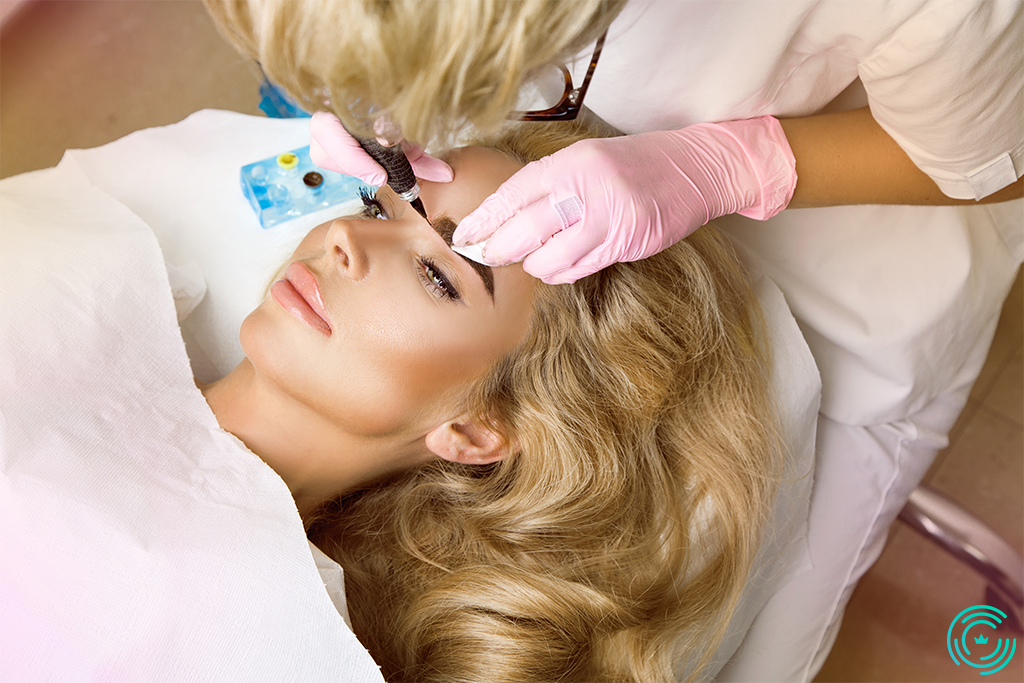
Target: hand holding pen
{"x":335,"y":149}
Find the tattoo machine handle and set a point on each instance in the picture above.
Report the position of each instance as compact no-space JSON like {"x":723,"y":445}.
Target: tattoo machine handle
{"x":401,"y":178}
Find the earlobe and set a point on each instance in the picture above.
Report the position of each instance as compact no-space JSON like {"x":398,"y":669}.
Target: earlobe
{"x":468,"y":441}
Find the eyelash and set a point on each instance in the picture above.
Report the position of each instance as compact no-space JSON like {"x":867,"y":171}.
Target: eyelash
{"x":371,"y":203}
{"x":434,"y":279}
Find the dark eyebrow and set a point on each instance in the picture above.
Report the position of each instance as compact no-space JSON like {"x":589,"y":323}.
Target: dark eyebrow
{"x":445,"y":227}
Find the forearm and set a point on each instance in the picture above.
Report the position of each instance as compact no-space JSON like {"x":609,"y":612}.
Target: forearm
{"x":847,"y":158}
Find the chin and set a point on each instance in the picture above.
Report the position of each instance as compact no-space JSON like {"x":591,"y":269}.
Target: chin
{"x":266,"y":344}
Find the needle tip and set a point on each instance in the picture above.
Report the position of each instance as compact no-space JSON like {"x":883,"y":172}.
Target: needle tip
{"x":418,"y":205}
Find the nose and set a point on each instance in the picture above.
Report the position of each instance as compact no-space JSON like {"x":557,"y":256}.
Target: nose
{"x":344,"y":245}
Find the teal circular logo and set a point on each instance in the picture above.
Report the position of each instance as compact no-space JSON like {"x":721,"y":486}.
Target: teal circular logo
{"x":977,"y":649}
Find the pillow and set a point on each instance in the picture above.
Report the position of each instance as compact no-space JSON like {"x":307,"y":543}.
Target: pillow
{"x":205,"y":225}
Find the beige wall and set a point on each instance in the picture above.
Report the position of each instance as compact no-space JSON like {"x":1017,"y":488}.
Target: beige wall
{"x":8,"y":8}
{"x":81,"y":73}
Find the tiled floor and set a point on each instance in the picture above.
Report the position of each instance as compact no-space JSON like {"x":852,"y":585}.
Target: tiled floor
{"x":83,"y":73}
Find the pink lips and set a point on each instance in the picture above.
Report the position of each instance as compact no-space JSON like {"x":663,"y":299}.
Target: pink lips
{"x":299,"y":294}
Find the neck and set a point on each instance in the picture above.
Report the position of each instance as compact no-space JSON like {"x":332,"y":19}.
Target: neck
{"x":316,"y":459}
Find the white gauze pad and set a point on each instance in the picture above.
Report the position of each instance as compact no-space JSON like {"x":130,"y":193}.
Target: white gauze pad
{"x":474,"y":252}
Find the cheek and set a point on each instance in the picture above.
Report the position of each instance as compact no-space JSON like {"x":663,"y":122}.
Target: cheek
{"x":350,"y":380}
{"x":422,"y":362}
{"x":394,"y":364}
{"x":427,"y":352}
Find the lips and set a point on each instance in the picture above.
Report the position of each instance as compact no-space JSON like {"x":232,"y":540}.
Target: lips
{"x":299,"y":294}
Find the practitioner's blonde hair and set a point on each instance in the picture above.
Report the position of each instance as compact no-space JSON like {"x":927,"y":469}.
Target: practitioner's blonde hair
{"x":617,"y":540}
{"x":433,"y":66}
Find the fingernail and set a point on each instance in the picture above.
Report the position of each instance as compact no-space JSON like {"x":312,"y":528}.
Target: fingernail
{"x":474,"y":252}
{"x":462,"y":236}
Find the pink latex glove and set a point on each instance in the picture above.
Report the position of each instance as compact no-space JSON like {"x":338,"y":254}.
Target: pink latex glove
{"x":602,"y":201}
{"x":332,"y":147}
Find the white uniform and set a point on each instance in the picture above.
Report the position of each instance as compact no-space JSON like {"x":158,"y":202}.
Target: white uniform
{"x":898,"y":304}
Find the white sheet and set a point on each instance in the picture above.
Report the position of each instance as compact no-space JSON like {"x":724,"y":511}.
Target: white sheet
{"x":139,"y":541}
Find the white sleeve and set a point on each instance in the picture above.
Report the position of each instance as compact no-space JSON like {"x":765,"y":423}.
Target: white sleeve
{"x":948,"y":86}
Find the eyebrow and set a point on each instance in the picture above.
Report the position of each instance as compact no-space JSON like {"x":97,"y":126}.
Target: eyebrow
{"x":445,"y":227}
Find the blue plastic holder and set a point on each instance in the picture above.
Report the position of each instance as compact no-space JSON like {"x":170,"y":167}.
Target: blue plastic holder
{"x":286,"y":186}
{"x":276,"y":104}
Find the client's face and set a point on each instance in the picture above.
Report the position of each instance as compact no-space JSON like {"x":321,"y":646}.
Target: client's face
{"x":377,"y":326}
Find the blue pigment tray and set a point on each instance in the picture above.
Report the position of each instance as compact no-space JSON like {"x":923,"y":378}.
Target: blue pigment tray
{"x":289,"y":185}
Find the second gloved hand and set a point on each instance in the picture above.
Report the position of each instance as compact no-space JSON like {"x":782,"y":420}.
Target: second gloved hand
{"x":603,"y":201}
{"x":332,"y":147}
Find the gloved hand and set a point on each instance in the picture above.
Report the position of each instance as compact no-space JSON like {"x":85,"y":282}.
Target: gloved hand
{"x":332,"y":147}
{"x":602,"y":201}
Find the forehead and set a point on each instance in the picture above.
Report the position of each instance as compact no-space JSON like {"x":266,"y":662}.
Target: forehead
{"x":478,"y":173}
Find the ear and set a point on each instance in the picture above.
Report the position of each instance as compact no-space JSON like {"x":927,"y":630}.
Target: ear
{"x":468,"y":441}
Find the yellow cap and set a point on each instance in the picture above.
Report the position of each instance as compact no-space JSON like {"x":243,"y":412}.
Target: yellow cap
{"x":287,"y":160}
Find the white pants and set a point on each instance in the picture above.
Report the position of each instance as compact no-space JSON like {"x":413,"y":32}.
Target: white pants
{"x":863,"y":478}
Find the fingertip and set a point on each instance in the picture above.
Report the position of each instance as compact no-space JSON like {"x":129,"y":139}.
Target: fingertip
{"x":539,"y":268}
{"x":327,"y":125}
{"x":469,"y":231}
{"x":556,"y":265}
{"x":320,"y":118}
{"x":387,"y":132}
{"x":319,"y":156}
{"x":567,"y":277}
{"x":561,"y":277}
{"x":434,"y":170}
{"x":444,"y":174}
{"x":542,"y":273}
{"x":496,"y":259}
{"x":460,"y":238}
{"x":317,"y":153}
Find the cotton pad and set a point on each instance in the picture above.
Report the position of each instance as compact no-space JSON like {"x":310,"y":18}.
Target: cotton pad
{"x":474,"y":252}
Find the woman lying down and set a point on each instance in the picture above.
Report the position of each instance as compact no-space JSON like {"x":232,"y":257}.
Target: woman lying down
{"x":521,"y":481}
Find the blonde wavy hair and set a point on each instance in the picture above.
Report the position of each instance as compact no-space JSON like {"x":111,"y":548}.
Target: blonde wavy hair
{"x":433,"y":66}
{"x":615,"y":543}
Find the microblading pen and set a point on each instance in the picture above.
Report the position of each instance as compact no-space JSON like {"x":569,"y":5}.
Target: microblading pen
{"x":401,"y":178}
